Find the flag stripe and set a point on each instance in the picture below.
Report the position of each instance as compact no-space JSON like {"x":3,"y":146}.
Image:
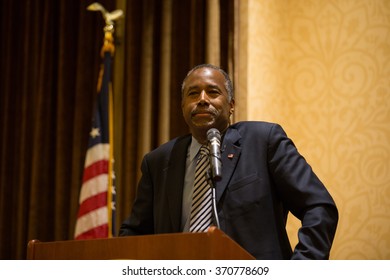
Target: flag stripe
{"x":100,"y":151}
{"x":96,"y":232}
{"x":91,"y":220}
{"x":92,"y":203}
{"x":93,"y":187}
{"x":95,"y":169}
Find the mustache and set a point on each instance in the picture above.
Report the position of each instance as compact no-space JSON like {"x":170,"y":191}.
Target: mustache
{"x":209,"y":110}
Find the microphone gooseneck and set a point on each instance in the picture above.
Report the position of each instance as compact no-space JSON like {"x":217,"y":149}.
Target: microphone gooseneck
{"x":215,"y":172}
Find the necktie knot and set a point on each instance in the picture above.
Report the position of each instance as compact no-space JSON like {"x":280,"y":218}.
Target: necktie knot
{"x":204,"y":151}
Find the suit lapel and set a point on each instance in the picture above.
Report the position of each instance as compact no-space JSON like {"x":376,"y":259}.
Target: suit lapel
{"x":230,"y":153}
{"x":175,"y":180}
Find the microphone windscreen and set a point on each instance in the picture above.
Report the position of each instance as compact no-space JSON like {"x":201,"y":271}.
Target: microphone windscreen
{"x":213,"y":132}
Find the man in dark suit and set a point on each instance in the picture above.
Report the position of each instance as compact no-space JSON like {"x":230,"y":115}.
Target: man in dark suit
{"x":263,"y":178}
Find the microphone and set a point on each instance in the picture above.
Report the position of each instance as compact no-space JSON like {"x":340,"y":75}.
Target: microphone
{"x":214,"y":138}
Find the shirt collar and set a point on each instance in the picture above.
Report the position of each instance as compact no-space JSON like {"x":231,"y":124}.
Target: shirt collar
{"x":194,"y":148}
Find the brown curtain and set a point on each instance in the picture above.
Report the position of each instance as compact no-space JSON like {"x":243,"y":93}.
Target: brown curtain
{"x":49,"y":62}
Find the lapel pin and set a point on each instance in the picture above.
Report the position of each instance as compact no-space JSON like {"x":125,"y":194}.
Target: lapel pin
{"x":230,"y":156}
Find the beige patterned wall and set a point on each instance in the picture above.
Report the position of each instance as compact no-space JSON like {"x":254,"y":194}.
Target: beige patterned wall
{"x":321,"y":68}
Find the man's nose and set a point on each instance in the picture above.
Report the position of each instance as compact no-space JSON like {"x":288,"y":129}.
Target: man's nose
{"x":203,"y":97}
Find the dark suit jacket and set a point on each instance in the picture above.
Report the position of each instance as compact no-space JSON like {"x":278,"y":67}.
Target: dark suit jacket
{"x":264,"y":177}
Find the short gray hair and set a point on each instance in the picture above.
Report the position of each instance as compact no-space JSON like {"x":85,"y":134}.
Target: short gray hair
{"x":228,"y":81}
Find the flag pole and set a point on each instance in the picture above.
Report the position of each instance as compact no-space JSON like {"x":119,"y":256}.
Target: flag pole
{"x":108,"y":48}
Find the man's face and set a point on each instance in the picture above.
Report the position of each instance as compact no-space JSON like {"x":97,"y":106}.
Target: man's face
{"x":205,"y":101}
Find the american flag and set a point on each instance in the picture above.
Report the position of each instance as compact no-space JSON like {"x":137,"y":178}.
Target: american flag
{"x":96,"y":215}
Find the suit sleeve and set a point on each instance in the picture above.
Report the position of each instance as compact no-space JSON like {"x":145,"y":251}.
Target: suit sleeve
{"x":141,"y":219}
{"x":304,"y":195}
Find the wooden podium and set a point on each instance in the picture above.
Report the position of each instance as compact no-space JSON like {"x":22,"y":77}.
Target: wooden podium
{"x":210,"y":245}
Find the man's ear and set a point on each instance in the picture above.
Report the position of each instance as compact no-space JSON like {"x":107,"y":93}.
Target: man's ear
{"x":232,"y":104}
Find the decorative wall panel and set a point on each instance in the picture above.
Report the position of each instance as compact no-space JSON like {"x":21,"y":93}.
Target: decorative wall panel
{"x":322,"y":69}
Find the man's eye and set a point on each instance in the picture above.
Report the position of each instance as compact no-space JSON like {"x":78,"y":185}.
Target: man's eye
{"x":192,"y":93}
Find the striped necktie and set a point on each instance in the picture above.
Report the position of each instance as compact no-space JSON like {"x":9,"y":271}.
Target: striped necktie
{"x":201,"y":208}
